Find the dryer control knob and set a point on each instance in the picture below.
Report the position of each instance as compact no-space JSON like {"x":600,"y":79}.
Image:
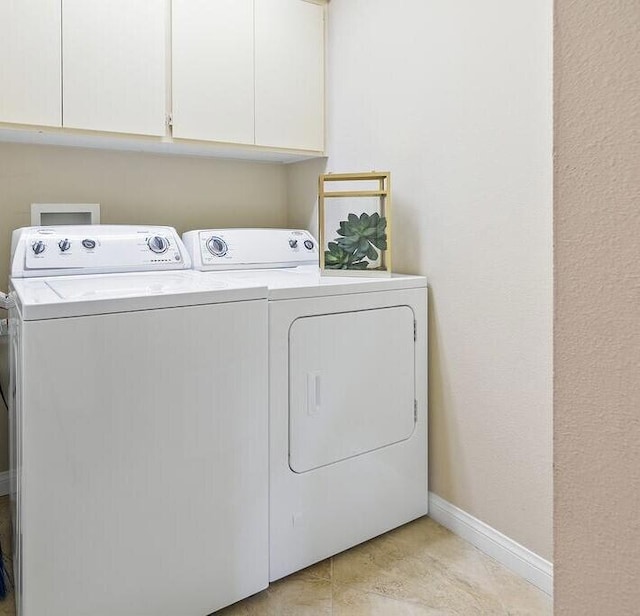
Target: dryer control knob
{"x":158,"y":244}
{"x":64,"y":245}
{"x":217,"y":246}
{"x":293,"y":243}
{"x":38,"y":247}
{"x":89,"y":244}
{"x":308,"y":244}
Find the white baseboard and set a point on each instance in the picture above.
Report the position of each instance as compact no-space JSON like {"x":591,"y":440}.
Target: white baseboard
{"x":517,"y":558}
{"x":4,"y":483}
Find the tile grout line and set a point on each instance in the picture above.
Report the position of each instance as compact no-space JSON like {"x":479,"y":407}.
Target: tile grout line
{"x":331,"y":580}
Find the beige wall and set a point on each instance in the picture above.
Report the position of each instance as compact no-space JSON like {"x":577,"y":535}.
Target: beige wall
{"x":454,"y":97}
{"x":597,"y":308}
{"x":184,"y":192}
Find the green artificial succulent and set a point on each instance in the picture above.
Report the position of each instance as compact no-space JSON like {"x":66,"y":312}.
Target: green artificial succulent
{"x":359,"y":238}
{"x":338,"y":258}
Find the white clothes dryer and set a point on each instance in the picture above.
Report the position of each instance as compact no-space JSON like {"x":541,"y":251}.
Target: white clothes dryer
{"x":138,"y":427}
{"x":347,"y":393}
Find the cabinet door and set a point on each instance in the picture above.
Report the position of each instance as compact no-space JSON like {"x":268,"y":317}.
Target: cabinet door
{"x":114,"y":65}
{"x":30,"y":82}
{"x":352,"y":385}
{"x":289,"y":74}
{"x":212,"y":70}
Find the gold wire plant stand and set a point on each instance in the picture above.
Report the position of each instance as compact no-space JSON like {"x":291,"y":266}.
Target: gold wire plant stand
{"x":355,"y":223}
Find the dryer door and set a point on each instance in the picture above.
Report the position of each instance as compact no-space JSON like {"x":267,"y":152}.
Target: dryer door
{"x":352,"y":384}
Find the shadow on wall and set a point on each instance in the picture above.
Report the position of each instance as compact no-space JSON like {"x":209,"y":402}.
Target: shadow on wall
{"x":407,"y":235}
{"x":441,"y":451}
{"x":302,"y":193}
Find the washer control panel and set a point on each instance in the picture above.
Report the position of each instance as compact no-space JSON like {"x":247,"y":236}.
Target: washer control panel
{"x":46,"y":251}
{"x":227,"y":249}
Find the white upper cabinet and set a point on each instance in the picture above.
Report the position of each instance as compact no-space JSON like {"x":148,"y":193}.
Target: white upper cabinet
{"x":242,"y":72}
{"x":289,"y":74}
{"x":30,"y":75}
{"x":212,"y":70}
{"x":114,"y":65}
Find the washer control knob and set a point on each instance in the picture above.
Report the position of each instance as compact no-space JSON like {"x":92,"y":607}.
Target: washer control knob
{"x":217,"y":246}
{"x":293,"y":243}
{"x":89,"y":244}
{"x":64,"y":245}
{"x":158,"y":244}
{"x":38,"y":247}
{"x":308,"y":244}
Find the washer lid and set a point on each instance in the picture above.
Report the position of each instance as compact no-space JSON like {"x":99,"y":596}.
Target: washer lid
{"x":66,"y":296}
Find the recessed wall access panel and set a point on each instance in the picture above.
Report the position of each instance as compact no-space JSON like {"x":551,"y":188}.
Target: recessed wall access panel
{"x":53,"y":214}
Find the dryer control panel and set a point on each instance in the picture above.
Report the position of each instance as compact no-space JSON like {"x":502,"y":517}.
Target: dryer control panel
{"x":228,"y":249}
{"x":95,"y":249}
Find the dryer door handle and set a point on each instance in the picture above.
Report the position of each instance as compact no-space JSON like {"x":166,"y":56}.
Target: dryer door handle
{"x":313,"y":392}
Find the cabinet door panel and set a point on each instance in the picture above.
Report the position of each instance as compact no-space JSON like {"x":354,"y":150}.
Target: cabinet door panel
{"x":114,"y":65}
{"x":30,"y":80}
{"x":289,"y":74}
{"x":212,"y":70}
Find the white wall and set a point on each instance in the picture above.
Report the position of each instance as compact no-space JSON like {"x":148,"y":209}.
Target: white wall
{"x":454,"y":98}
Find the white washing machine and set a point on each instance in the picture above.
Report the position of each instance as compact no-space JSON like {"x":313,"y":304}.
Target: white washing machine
{"x":138,"y":427}
{"x":347,"y":393}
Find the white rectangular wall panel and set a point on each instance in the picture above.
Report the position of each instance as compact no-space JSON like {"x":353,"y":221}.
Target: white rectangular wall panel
{"x":114,"y":65}
{"x":212,"y":70}
{"x":30,"y":80}
{"x":289,"y":74}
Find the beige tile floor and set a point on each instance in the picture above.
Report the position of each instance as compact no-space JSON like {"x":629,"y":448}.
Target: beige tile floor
{"x":420,"y":569}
